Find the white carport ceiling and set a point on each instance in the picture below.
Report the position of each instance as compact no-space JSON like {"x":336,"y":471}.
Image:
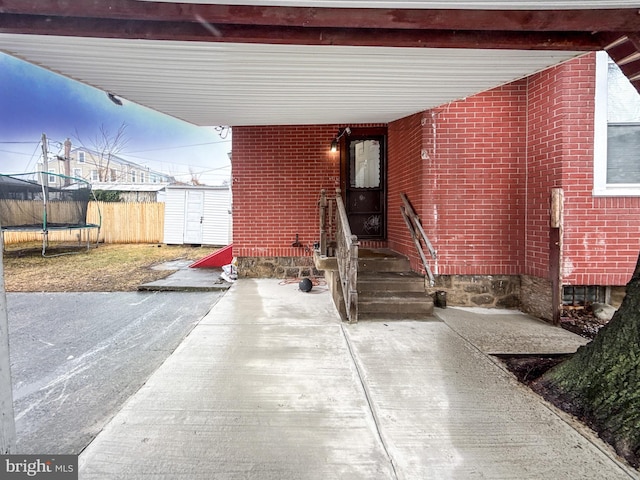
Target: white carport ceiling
{"x":248,"y":62}
{"x":255,"y":84}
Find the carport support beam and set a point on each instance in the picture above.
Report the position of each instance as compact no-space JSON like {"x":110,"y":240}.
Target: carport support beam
{"x":7,"y":418}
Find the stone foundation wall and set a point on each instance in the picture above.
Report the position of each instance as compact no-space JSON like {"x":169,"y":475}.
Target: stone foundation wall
{"x":277,"y":267}
{"x":497,"y":291}
{"x":529,"y":294}
{"x":536,"y":297}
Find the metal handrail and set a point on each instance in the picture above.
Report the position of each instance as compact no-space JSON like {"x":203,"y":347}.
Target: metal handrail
{"x":413,"y":224}
{"x":347,"y":256}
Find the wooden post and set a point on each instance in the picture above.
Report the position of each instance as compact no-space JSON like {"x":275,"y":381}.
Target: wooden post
{"x":555,"y":251}
{"x":7,"y":418}
{"x":557,"y":207}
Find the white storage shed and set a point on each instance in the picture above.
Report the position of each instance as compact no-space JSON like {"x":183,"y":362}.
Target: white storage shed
{"x":197,"y":215}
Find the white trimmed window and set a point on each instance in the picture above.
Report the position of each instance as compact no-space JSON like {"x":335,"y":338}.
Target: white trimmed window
{"x":133,"y":176}
{"x":81,"y":157}
{"x":94,"y":176}
{"x":77,"y":172}
{"x":617,"y":132}
{"x":52,"y":178}
{"x":141,"y":177}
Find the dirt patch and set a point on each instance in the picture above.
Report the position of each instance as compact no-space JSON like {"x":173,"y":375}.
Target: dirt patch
{"x":107,"y":268}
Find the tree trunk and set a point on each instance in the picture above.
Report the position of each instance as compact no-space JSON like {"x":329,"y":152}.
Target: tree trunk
{"x":601,"y":381}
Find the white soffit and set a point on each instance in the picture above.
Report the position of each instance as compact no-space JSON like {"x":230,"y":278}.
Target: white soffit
{"x":255,"y":84}
{"x":429,"y":4}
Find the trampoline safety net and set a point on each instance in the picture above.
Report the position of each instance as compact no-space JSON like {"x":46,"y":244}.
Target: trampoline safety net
{"x":43,"y":201}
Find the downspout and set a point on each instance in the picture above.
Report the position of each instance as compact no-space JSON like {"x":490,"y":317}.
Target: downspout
{"x":526,"y":178}
{"x":435,"y":184}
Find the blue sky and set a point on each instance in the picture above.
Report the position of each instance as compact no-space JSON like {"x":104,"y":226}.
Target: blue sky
{"x":34,"y":101}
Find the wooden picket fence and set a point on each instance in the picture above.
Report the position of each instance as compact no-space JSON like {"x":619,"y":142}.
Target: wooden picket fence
{"x":121,"y":223}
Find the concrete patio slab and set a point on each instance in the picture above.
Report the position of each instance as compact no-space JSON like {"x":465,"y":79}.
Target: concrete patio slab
{"x":445,"y":411}
{"x":274,"y":302}
{"x":185,"y":279}
{"x":497,"y":331}
{"x":249,"y":395}
{"x":270,"y":385}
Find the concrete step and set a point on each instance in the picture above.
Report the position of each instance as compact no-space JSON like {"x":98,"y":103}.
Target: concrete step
{"x":381,"y":260}
{"x":387,"y":288}
{"x":394,"y":305}
{"x":390,"y":282}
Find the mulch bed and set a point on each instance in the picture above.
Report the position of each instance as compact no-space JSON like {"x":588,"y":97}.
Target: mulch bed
{"x":580,"y":320}
{"x":528,"y":368}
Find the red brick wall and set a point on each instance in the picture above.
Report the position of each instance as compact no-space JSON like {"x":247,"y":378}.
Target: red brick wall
{"x":489,"y":165}
{"x":479,"y":173}
{"x":546,"y":111}
{"x":471,"y":197}
{"x":601,"y":234}
{"x":602,"y":240}
{"x":278,"y":172}
{"x":405,"y":175}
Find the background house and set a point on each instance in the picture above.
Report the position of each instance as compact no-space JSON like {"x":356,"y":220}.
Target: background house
{"x":99,"y":168}
{"x":110,"y":173}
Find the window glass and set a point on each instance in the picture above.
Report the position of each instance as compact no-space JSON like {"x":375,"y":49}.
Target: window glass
{"x":623,"y":100}
{"x":365,"y":163}
{"x":623,"y":128}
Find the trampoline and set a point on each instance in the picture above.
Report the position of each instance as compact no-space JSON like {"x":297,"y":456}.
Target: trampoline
{"x":43,"y":201}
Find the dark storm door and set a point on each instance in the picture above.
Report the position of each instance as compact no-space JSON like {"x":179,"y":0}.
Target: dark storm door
{"x":364,"y":182}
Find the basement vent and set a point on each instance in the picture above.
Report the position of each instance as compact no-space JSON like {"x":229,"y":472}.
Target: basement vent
{"x":583,"y":294}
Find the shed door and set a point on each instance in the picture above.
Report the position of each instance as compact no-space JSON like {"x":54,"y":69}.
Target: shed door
{"x":193,"y":216}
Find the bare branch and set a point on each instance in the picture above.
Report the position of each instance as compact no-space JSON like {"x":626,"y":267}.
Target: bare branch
{"x":103,"y":147}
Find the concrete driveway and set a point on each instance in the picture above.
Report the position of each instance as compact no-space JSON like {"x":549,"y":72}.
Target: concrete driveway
{"x":270,"y":385}
{"x":77,"y":357}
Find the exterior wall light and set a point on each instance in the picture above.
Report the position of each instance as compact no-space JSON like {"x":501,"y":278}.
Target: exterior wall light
{"x":334,"y":143}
